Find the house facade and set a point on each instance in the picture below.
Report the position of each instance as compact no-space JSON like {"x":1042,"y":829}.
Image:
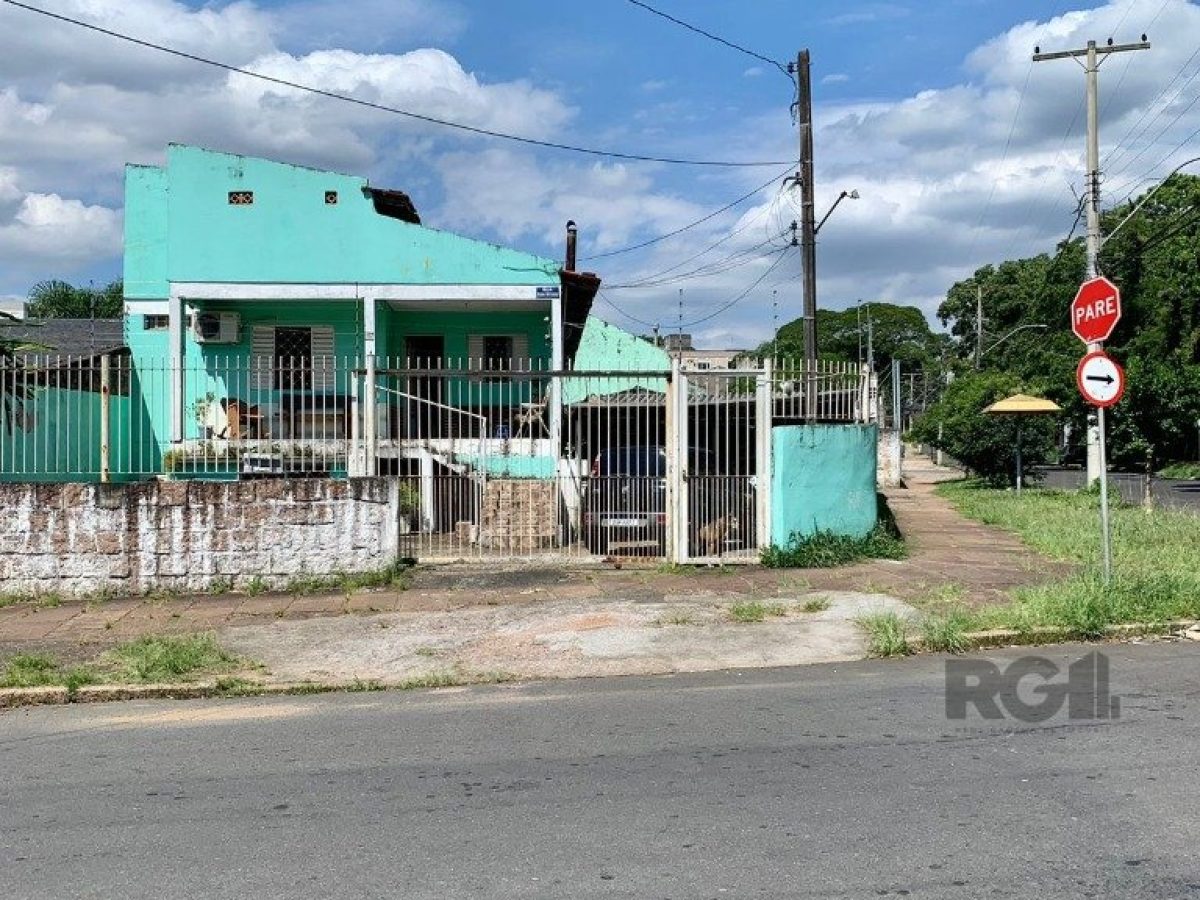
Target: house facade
{"x":277,"y":303}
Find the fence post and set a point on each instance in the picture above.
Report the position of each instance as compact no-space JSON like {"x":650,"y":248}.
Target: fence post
{"x":765,"y":409}
{"x":105,"y":404}
{"x":675,"y":536}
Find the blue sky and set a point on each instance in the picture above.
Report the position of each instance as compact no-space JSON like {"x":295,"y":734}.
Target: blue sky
{"x":959,"y":146}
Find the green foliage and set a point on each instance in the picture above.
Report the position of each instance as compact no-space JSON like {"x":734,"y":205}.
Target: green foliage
{"x":29,"y":670}
{"x":749,"y":611}
{"x":826,"y":550}
{"x":1155,"y":574}
{"x":947,"y":631}
{"x":983,"y":443}
{"x":1186,"y":470}
{"x":166,"y":658}
{"x":898,"y":332}
{"x":56,"y":299}
{"x":1155,"y":260}
{"x":887,"y":634}
{"x":816,"y":605}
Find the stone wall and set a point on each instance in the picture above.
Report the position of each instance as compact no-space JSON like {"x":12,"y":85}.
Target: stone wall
{"x":519,"y":515}
{"x":81,"y":538}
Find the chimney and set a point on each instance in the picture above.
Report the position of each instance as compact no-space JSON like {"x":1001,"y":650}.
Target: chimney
{"x":572,"y":240}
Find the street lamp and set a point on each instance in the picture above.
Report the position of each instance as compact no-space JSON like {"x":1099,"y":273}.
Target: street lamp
{"x":844,"y":195}
{"x":1003,"y":339}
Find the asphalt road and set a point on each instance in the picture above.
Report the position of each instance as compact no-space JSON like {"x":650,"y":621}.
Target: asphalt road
{"x":822,"y":782}
{"x":1169,"y":492}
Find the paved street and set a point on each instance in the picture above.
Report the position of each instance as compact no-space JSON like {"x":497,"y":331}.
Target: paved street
{"x":1173,"y":493}
{"x":824,"y":781}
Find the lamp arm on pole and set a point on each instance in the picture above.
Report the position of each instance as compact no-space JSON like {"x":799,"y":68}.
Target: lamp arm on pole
{"x":1007,"y":336}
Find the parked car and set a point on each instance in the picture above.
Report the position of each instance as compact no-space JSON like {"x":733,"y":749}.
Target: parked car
{"x":625,"y":504}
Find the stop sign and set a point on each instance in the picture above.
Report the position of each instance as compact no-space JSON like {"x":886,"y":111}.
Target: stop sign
{"x":1095,"y":310}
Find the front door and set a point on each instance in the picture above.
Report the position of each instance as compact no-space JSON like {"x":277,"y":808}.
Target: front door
{"x":425,"y":391}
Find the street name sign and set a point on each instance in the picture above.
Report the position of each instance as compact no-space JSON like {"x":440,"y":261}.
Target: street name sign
{"x":1095,"y":310}
{"x":1101,"y":380}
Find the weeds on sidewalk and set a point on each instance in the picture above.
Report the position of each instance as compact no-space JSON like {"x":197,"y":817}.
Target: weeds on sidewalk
{"x":165,"y":658}
{"x":887,"y":634}
{"x":816,"y":605}
{"x":748,"y":611}
{"x":826,"y":550}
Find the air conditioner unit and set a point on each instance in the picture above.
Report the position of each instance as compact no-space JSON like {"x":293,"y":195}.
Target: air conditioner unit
{"x":216,"y":328}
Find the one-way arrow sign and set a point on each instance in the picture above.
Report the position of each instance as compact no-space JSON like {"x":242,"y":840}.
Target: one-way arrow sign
{"x":1100,"y":379}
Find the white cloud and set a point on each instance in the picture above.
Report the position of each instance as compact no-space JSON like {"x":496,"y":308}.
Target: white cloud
{"x":367,"y":24}
{"x":836,"y":78}
{"x":38,"y":229}
{"x":76,"y":107}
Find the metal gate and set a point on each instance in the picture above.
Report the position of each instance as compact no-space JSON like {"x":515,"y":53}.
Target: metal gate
{"x":720,"y":464}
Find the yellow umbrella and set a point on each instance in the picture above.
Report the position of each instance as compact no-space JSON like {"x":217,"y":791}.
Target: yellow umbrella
{"x":1021,"y":405}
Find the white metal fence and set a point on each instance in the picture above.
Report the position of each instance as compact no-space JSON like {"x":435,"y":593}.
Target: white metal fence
{"x":494,"y":458}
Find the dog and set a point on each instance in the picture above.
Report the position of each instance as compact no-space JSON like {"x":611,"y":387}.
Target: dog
{"x":715,"y":533}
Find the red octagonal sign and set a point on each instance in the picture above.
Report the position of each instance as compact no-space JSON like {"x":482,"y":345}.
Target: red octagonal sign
{"x":1095,"y":310}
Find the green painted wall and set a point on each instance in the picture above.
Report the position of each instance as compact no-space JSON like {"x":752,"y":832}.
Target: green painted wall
{"x":59,"y":439}
{"x":823,"y":479}
{"x":146,"y":211}
{"x":290,"y":234}
{"x":604,"y":347}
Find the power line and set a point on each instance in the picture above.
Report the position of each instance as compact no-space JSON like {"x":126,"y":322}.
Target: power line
{"x":744,"y":294}
{"x":690,"y":225}
{"x":713,"y":37}
{"x":345,"y":98}
{"x":733,"y":261}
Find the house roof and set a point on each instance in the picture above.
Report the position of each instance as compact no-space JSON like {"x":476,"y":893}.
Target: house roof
{"x":69,"y":337}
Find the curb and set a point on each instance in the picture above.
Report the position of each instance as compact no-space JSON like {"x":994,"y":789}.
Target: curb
{"x":11,"y":698}
{"x":1048,"y":634}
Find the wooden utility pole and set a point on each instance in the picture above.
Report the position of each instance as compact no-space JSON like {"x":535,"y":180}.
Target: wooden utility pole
{"x":1093,"y":56}
{"x":808,"y":230}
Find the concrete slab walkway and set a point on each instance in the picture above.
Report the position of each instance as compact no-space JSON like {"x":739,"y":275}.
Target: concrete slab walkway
{"x":477,"y":610}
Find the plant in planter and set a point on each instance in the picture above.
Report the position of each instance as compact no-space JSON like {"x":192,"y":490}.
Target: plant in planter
{"x":410,"y":506}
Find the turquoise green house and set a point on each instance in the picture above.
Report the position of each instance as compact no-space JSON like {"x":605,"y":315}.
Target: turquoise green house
{"x":273,"y":301}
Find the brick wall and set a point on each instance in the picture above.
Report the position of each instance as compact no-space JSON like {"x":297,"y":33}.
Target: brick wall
{"x":82,"y":538}
{"x":519,"y":515}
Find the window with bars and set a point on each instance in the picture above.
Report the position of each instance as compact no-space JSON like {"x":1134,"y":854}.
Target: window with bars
{"x":293,"y":359}
{"x":155,"y":323}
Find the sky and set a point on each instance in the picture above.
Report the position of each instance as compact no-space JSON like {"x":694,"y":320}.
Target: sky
{"x":962,"y":150}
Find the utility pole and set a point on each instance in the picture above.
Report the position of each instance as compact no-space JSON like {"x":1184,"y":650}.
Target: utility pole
{"x":808,"y":229}
{"x":978,"y":324}
{"x":1093,"y":56}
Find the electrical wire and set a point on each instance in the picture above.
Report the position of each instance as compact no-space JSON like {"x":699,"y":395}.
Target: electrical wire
{"x":734,"y":261}
{"x":712,"y":215}
{"x":742,"y":296}
{"x":380,"y":107}
{"x":713,"y":37}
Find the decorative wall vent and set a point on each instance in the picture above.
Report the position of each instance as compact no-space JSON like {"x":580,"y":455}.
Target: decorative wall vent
{"x":331,"y":198}
{"x":241,"y":198}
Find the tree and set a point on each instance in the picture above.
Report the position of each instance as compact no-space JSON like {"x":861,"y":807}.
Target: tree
{"x":1155,"y":259}
{"x":986,"y":444}
{"x":898,"y":332}
{"x":56,"y":299}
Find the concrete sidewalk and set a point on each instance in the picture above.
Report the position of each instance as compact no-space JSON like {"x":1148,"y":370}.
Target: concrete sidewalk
{"x":547,"y":617}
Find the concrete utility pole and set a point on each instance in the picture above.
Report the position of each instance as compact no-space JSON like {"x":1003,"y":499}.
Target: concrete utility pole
{"x":978,"y":324}
{"x":808,"y":229}
{"x":1093,"y":56}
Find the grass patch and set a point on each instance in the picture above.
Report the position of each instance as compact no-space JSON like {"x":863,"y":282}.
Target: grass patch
{"x":748,"y":611}
{"x":166,"y":658}
{"x":887,"y":634}
{"x":1155,"y":575}
{"x":1187,"y":470}
{"x":947,"y":631}
{"x":42,"y":599}
{"x":39,"y":670}
{"x":396,"y":576}
{"x":256,"y":585}
{"x":816,"y":605}
{"x":826,"y":550}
